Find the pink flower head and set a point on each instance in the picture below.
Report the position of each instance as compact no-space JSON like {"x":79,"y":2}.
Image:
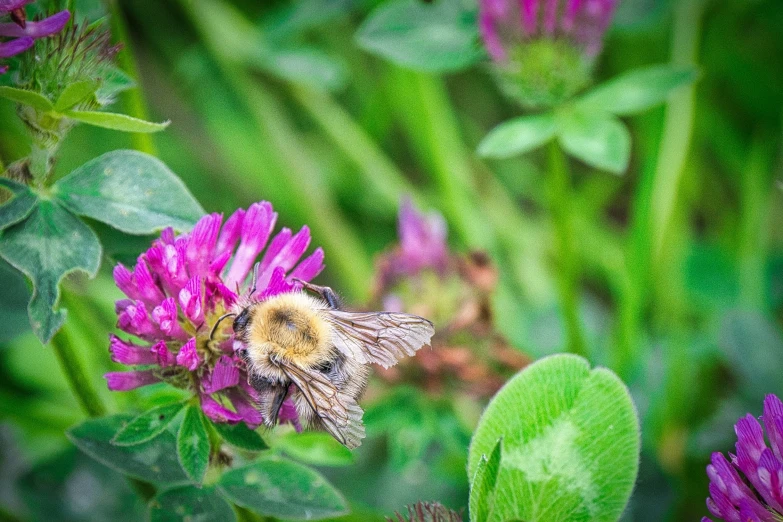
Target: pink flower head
{"x":422,"y":245}
{"x":506,"y":23}
{"x":180,"y":287}
{"x":758,"y":498}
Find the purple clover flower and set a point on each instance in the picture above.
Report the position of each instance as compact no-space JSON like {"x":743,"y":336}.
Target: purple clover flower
{"x":179,"y":288}
{"x":543,"y":49}
{"x":25,"y":33}
{"x":422,"y":245}
{"x":759,"y":497}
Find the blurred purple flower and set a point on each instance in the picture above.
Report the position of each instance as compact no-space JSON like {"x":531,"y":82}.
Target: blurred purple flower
{"x":25,"y":33}
{"x":179,"y":288}
{"x":422,"y":245}
{"x":507,"y":23}
{"x":758,"y":498}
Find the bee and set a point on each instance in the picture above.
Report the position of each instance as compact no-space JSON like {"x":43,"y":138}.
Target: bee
{"x":309,"y":348}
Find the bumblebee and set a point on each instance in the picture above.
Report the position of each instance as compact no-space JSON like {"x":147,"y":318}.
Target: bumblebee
{"x":307,"y":347}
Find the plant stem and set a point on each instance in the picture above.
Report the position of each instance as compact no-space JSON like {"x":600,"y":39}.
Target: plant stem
{"x":77,"y":378}
{"x":133,"y":99}
{"x":559,"y":188}
{"x":677,"y":127}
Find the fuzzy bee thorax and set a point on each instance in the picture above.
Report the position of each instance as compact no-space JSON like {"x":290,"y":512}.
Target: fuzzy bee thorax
{"x":290,"y":327}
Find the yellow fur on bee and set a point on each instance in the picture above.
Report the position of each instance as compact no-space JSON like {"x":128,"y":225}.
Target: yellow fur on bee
{"x":291,"y":326}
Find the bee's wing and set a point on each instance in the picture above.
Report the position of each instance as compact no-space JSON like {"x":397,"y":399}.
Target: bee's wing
{"x":339,"y":413}
{"x":378,"y":337}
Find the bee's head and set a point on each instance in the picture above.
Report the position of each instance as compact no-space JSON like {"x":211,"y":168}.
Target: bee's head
{"x":241,"y":323}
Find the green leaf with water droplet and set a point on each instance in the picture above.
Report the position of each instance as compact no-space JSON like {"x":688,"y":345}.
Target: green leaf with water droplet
{"x":570,"y":443}
{"x":193,"y":444}
{"x":283,"y":489}
{"x":131,"y":191}
{"x":191,"y":504}
{"x":148,"y":425}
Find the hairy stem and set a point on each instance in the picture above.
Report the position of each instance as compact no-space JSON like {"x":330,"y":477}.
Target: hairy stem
{"x":559,"y":188}
{"x":77,"y":378}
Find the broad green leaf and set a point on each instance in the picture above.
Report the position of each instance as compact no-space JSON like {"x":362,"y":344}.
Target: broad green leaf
{"x":637,"y":90}
{"x":753,"y":346}
{"x":305,"y":66}
{"x":75,"y":93}
{"x":518,"y":136}
{"x":153,"y":461}
{"x":570,"y":443}
{"x":131,"y":191}
{"x":13,"y":305}
{"x":33,"y":99}
{"x":240,"y":436}
{"x":115,"y":121}
{"x":190,"y":504}
{"x":482,"y":487}
{"x":281,"y":488}
{"x":46,"y":246}
{"x":435,"y":37}
{"x":193,"y":444}
{"x":19,"y":206}
{"x":599,"y":139}
{"x":316,"y":448}
{"x":70,"y":486}
{"x":148,"y":425}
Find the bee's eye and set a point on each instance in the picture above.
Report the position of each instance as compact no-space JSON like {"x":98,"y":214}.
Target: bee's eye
{"x":242,"y":320}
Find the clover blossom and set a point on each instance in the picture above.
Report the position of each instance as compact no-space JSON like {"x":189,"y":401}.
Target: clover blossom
{"x":759,"y":496}
{"x":543,"y":50}
{"x":178,"y":290}
{"x":25,"y":33}
{"x":421,"y":275}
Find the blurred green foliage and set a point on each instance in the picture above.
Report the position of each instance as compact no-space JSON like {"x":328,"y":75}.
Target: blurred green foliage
{"x":682,"y":261}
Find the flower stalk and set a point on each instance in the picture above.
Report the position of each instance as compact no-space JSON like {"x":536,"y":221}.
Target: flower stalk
{"x":75,"y":374}
{"x":568,"y":274}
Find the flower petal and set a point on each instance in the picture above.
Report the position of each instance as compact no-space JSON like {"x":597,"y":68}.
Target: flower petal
{"x":14,"y":47}
{"x":249,"y":412}
{"x":46,"y":27}
{"x":310,"y":267}
{"x":128,"y":353}
{"x":191,"y":300}
{"x":773,"y":421}
{"x":166,"y":316}
{"x":163,"y":356}
{"x":188,"y":355}
{"x":124,"y":381}
{"x":257,"y":225}
{"x":230,"y":233}
{"x":201,"y":244}
{"x":218,"y":413}
{"x":225,"y":374}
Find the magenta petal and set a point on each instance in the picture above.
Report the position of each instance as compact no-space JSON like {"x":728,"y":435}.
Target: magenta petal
{"x":773,"y":421}
{"x":201,"y":244}
{"x":257,"y":225}
{"x":128,"y":353}
{"x":124,"y":381}
{"x":750,"y":444}
{"x":277,"y":284}
{"x":123,"y":278}
{"x":288,"y":414}
{"x":310,"y":267}
{"x":770,"y":476}
{"x":188,"y":355}
{"x":249,"y":412}
{"x":46,"y":27}
{"x":218,"y":413}
{"x":287,"y":257}
{"x":224,"y":375}
{"x":162,"y":355}
{"x":191,"y":299}
{"x":135,"y":320}
{"x":3,"y":69}
{"x":14,"y":47}
{"x":230,"y":233}
{"x":275,"y":246}
{"x":146,"y":286}
{"x":166,"y":316}
{"x":11,"y":5}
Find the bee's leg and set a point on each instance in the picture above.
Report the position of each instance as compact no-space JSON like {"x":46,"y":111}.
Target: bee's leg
{"x":271,"y":397}
{"x":255,"y":280}
{"x":326,"y":293}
